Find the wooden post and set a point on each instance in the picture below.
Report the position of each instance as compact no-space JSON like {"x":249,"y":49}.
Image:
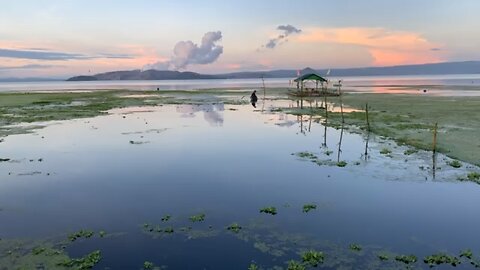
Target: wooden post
{"x":341,"y":105}
{"x":435,"y":138}
{"x":366,"y":113}
{"x":340,"y":145}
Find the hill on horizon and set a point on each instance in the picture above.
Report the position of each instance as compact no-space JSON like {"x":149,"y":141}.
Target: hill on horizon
{"x":467,"y":67}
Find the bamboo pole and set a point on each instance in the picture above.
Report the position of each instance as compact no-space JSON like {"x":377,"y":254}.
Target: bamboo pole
{"x":340,"y":145}
{"x":366,"y":113}
{"x":341,"y":105}
{"x":435,"y":138}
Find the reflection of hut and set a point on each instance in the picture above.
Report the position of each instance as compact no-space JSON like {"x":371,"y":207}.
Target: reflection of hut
{"x":319,"y":89}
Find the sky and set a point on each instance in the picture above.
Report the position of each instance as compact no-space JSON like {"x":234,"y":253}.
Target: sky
{"x":62,"y":38}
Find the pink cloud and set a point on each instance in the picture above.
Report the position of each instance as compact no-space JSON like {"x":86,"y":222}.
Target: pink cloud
{"x":386,"y":47}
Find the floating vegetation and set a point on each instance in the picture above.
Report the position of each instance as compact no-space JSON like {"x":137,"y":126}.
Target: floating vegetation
{"x":355,"y":247}
{"x":253,"y":266}
{"x":341,"y":164}
{"x":467,"y":254}
{"x":313,"y":258}
{"x":383,"y":257}
{"x":102,"y":234}
{"x":455,"y":164}
{"x":166,"y":218}
{"x":80,"y":234}
{"x":410,"y":151}
{"x":385,"y":151}
{"x":87,"y":262}
{"x":148,"y":265}
{"x":38,"y":250}
{"x":234,"y":227}
{"x":168,"y":230}
{"x":269,"y":210}
{"x":473,"y":176}
{"x":294,"y":265}
{"x":306,"y":155}
{"x":308,"y":207}
{"x":138,"y":142}
{"x":197,"y":218}
{"x":328,"y":152}
{"x":441,"y":258}
{"x":406,"y":259}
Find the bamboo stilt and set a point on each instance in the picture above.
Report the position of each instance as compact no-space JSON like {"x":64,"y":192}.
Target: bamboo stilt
{"x":366,"y":113}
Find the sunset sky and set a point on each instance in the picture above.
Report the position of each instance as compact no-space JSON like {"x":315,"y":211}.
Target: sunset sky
{"x":61,"y":38}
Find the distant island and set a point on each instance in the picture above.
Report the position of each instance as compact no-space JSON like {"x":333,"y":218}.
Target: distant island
{"x":468,"y":67}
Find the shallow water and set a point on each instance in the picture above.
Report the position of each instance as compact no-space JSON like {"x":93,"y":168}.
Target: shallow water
{"x":135,"y":165}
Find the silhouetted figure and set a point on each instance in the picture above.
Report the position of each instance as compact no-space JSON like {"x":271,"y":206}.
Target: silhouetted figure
{"x":253,"y":98}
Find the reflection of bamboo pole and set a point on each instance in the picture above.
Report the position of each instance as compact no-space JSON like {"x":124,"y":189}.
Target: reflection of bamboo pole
{"x":366,"y":113}
{"x":340,"y":144}
{"x":435,"y":138}
{"x":366,"y":145}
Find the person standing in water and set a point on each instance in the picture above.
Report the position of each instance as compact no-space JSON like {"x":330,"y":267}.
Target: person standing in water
{"x":253,"y":98}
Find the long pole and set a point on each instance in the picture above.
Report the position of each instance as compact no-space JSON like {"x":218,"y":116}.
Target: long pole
{"x":435,"y":138}
{"x":366,"y":113}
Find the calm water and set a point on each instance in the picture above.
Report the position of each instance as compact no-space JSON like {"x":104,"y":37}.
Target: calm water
{"x":467,"y":84}
{"x":120,"y":171}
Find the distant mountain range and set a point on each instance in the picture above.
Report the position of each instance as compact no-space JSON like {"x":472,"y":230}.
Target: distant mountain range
{"x":469,"y":67}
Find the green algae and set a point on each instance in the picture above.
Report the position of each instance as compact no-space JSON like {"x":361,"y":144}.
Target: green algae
{"x":406,"y":259}
{"x":86,"y":262}
{"x":197,"y":218}
{"x":166,"y":218}
{"x":312,"y":258}
{"x":271,"y":210}
{"x":309,"y":207}
{"x":341,"y":164}
{"x":355,"y":247}
{"x":80,"y":234}
{"x":441,"y":258}
{"x":455,"y":164}
{"x":148,"y":265}
{"x":234,"y":227}
{"x":294,"y":265}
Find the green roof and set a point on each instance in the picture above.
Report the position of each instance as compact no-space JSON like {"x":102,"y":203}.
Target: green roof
{"x":311,"y":77}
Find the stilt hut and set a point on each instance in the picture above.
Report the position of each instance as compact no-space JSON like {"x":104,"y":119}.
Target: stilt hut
{"x":304,"y":90}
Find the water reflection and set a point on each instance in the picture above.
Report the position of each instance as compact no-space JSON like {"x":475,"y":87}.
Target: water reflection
{"x":212,"y":113}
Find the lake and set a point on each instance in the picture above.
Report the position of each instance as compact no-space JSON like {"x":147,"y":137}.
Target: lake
{"x":164,"y":183}
{"x":464,"y":84}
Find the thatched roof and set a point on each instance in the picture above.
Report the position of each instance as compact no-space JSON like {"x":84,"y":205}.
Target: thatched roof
{"x":310,"y":77}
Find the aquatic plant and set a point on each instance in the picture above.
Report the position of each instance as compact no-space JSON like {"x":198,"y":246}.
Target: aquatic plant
{"x":455,"y":163}
{"x":166,"y":218}
{"x":341,"y":164}
{"x":102,"y":234}
{"x":197,"y":218}
{"x":87,"y":262}
{"x":313,"y":258}
{"x":80,"y":234}
{"x":473,"y":176}
{"x":308,"y":207}
{"x":253,"y":266}
{"x":406,"y":259}
{"x":148,"y":265}
{"x":328,"y":152}
{"x":385,"y":151}
{"x":441,"y":258}
{"x":269,"y":210}
{"x":383,"y":257}
{"x":467,"y":254}
{"x":38,"y":250}
{"x":234,"y":227}
{"x":355,"y":247}
{"x":294,"y":265}
{"x":306,"y":155}
{"x":410,"y":151}
{"x":168,"y":230}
